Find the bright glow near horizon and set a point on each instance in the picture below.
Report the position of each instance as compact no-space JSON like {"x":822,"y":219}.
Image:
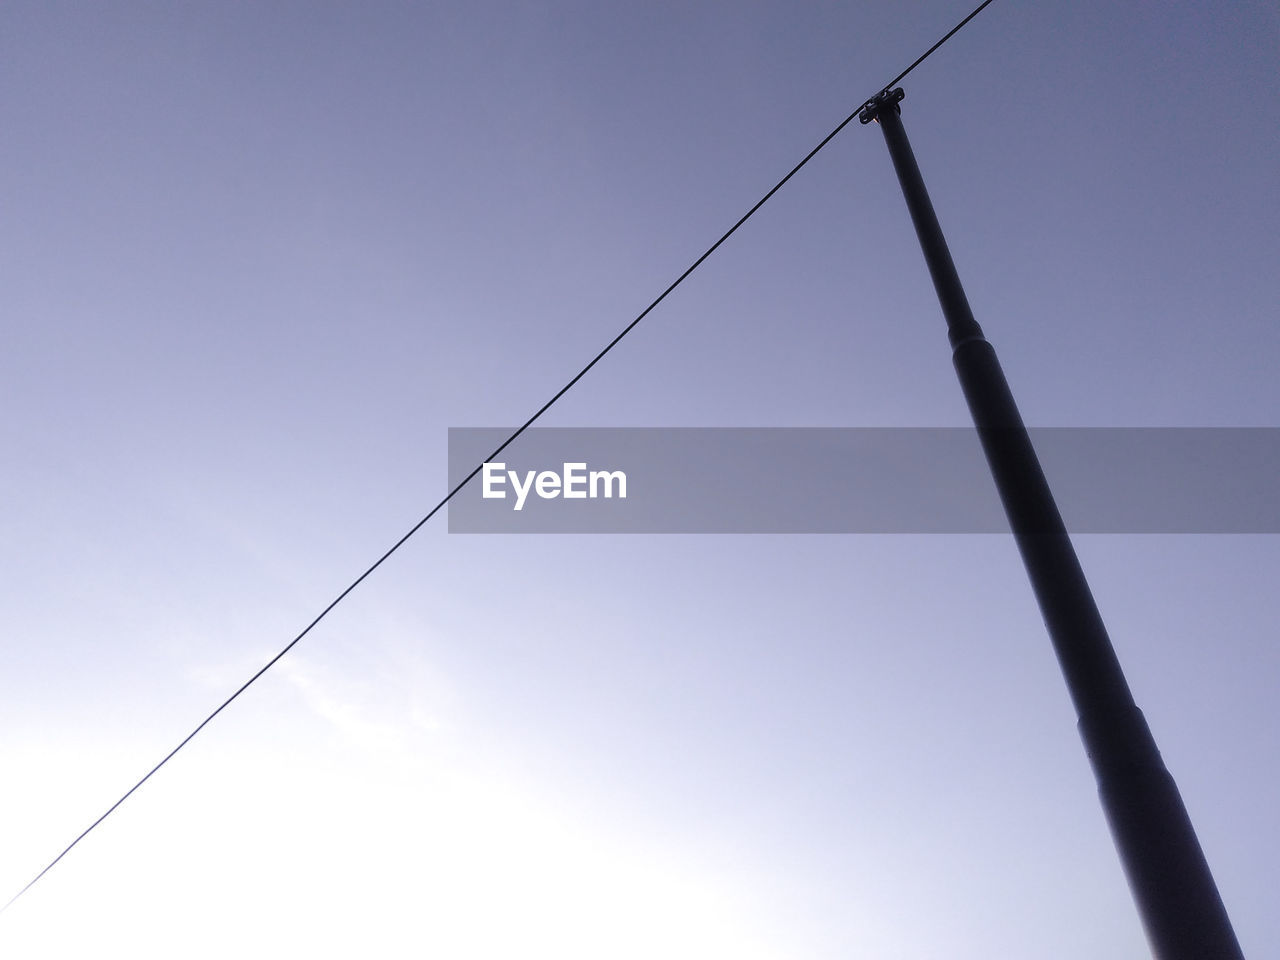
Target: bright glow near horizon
{"x":486,"y":869}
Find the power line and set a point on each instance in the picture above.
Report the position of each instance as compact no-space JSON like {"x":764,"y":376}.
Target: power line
{"x":506,"y":443}
{"x":928,"y":53}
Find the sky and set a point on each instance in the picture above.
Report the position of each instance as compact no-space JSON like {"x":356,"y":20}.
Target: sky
{"x":259,"y":258}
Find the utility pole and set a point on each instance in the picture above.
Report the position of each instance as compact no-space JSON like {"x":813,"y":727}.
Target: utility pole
{"x":1167,"y":872}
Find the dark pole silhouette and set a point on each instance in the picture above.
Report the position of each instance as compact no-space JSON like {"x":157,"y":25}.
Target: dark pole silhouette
{"x":1167,"y":872}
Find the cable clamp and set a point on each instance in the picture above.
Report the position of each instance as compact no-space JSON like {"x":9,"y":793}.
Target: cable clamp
{"x":885,"y":99}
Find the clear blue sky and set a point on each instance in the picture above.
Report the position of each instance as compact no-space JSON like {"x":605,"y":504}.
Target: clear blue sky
{"x":257,"y":258}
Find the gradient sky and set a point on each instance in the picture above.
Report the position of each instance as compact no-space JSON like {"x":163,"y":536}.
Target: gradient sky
{"x":257,"y":258}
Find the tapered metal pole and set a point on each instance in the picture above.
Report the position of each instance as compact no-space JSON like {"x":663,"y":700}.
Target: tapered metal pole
{"x":1167,"y":872}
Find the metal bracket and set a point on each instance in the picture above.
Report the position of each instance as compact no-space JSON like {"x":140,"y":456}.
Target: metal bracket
{"x":885,"y":99}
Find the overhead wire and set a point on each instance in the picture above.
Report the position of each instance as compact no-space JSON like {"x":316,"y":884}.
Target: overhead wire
{"x":498,"y":450}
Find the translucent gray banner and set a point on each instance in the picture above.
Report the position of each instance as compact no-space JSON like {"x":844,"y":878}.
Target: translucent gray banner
{"x":856,"y":480}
